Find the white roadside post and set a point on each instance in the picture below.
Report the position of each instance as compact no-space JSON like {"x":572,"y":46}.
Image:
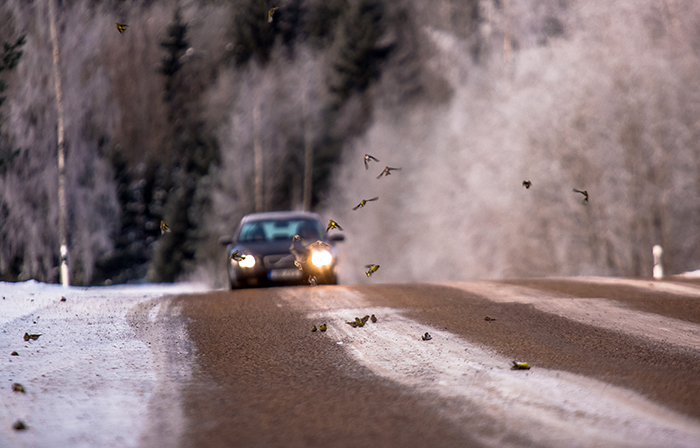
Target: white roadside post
{"x":658,"y":271}
{"x":62,"y":208}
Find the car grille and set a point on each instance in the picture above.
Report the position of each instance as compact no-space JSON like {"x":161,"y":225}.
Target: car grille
{"x":278,"y":261}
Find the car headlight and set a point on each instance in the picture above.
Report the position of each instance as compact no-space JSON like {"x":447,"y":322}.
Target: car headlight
{"x":247,"y":262}
{"x":321,"y":258}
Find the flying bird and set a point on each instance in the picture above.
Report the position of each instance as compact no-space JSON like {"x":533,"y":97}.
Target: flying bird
{"x":323,"y":327}
{"x":371,"y":269}
{"x":583,"y":192}
{"x":373,"y":318}
{"x":16,"y":387}
{"x":333,"y":225}
{"x":527,"y":184}
{"x":368,"y":158}
{"x":426,"y":336}
{"x":270,"y":13}
{"x":387,"y":171}
{"x":164,"y":228}
{"x":236,"y":256}
{"x":121,"y":27}
{"x":33,"y":337}
{"x":520,"y":366}
{"x":364,"y":202}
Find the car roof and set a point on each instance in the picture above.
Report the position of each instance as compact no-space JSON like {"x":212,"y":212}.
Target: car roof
{"x":265,"y":216}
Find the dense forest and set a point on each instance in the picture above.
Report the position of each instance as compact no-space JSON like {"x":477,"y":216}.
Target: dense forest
{"x":469,"y":97}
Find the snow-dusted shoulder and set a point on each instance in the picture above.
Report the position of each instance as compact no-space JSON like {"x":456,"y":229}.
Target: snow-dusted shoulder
{"x":98,"y":374}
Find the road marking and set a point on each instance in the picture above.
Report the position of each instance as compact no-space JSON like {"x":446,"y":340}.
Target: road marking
{"x":475,"y":388}
{"x":602,"y":313}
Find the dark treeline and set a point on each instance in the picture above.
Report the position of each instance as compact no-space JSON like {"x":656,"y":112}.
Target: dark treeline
{"x":163,"y":123}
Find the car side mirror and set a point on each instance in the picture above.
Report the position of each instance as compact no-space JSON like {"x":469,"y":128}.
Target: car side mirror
{"x":336,"y":238}
{"x":226,"y":240}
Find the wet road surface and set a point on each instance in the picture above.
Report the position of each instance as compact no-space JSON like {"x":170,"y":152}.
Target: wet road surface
{"x":614,"y":363}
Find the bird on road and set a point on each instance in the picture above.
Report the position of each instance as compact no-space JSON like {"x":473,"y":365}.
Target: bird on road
{"x":584,"y":193}
{"x":489,"y":319}
{"x":323,"y":327}
{"x":164,"y":228}
{"x":19,"y":425}
{"x":333,"y":225}
{"x":387,"y":171}
{"x":426,"y":336}
{"x":313,"y":281}
{"x":527,"y":184}
{"x":313,"y":328}
{"x":33,"y":337}
{"x":352,"y":323}
{"x":371,"y":269}
{"x":364,"y":202}
{"x":520,"y":366}
{"x":365,"y":319}
{"x":368,"y":158}
{"x":373,"y":318}
{"x":121,"y":27}
{"x":16,"y":387}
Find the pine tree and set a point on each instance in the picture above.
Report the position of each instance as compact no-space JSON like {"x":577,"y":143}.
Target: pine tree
{"x":357,"y":58}
{"x":254,"y":35}
{"x":9,"y":58}
{"x":192,"y":152}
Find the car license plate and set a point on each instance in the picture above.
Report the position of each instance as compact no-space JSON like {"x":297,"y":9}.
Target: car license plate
{"x":284,"y":274}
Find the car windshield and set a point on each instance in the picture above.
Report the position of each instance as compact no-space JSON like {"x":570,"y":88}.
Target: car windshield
{"x":280,"y":230}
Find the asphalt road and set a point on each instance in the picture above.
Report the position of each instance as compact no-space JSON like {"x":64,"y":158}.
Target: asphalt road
{"x":614,"y":362}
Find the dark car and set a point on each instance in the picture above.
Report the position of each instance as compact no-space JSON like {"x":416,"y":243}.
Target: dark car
{"x":281,"y":248}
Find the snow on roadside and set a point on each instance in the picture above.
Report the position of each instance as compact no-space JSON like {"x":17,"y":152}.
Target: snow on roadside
{"x":93,"y":378}
{"x":476,"y":389}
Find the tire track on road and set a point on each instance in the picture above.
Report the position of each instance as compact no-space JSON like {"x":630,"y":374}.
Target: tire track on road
{"x":501,"y":407}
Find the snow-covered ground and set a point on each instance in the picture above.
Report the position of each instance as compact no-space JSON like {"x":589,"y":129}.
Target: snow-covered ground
{"x":99,"y":374}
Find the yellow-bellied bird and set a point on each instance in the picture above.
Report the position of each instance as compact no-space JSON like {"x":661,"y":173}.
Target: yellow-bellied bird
{"x":583,"y":192}
{"x":368,"y":158}
{"x":371,"y":269}
{"x":520,"y":366}
{"x":164,"y":228}
{"x":364,"y":202}
{"x":333,"y":225}
{"x":121,"y":27}
{"x":236,"y":256}
{"x":387,"y":171}
{"x":527,"y":184}
{"x":323,"y":327}
{"x":271,"y":13}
